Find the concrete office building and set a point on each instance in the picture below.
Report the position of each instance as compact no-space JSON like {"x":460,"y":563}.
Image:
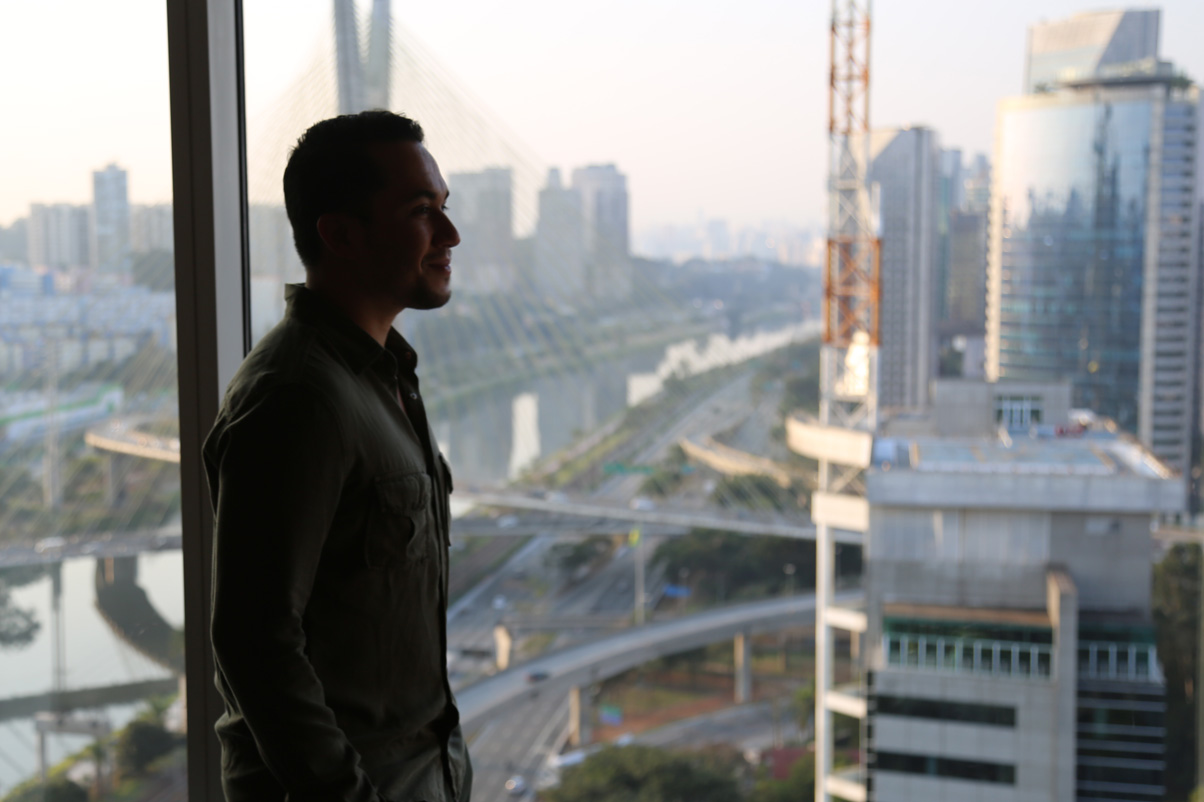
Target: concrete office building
{"x":58,"y":236}
{"x":1093,"y":268}
{"x":1008,"y":602}
{"x":484,"y":216}
{"x":604,"y":203}
{"x":1007,"y":643}
{"x":560,"y":243}
{"x":905,"y":170}
{"x":111,"y":224}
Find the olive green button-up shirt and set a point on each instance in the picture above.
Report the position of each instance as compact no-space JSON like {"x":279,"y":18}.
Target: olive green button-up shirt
{"x":330,"y":574}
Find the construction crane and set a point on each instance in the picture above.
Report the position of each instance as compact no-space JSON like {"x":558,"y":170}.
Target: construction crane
{"x":849,"y":361}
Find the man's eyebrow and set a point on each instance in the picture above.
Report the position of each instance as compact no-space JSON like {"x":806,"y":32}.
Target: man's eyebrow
{"x":429,"y":195}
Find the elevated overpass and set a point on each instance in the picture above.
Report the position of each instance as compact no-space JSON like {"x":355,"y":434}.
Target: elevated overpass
{"x":741,"y":522}
{"x":570,"y":669}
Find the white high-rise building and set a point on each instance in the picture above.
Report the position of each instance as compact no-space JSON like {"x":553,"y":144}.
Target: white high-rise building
{"x":58,"y":236}
{"x":111,"y":223}
{"x":151,"y":228}
{"x":905,"y":170}
{"x":482,"y":209}
{"x":560,"y":243}
{"x":604,"y":205}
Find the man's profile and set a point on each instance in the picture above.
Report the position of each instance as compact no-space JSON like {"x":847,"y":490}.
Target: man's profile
{"x":330,"y":497}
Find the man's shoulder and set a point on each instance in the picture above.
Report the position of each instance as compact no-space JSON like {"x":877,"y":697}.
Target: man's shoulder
{"x":291,"y":358}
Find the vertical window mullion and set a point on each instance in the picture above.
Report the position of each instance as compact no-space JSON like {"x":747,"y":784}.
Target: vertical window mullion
{"x":208,"y":158}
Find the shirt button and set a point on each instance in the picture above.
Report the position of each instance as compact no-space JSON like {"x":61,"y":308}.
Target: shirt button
{"x":414,"y":396}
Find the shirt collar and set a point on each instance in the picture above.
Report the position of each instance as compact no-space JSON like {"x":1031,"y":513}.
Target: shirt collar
{"x":356,"y":346}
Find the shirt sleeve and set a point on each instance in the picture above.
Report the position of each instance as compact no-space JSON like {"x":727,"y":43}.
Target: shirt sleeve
{"x":280,"y":468}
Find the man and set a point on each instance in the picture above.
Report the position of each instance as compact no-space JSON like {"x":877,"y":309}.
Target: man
{"x":331,"y":497}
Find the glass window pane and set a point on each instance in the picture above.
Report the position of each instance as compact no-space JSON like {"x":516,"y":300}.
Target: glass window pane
{"x":632,"y":338}
{"x":91,"y":602}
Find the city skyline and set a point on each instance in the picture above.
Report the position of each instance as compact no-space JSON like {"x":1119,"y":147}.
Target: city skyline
{"x":759,"y":126}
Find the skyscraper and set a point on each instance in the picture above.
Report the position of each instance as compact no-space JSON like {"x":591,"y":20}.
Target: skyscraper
{"x":1087,"y":45}
{"x":560,"y":242}
{"x":1093,"y":272}
{"x":59,"y":236}
{"x":483,"y":213}
{"x":905,"y":169}
{"x":110,"y":224}
{"x":603,"y":191}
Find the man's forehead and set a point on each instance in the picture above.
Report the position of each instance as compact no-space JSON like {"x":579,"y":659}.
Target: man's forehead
{"x":409,"y":167}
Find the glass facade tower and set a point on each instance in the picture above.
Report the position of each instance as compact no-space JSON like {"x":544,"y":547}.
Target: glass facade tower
{"x":1090,"y":253}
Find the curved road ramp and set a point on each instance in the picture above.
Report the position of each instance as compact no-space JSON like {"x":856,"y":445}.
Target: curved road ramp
{"x":582,"y":664}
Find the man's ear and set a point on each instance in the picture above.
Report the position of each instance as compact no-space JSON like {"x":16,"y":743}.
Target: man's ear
{"x":342,"y":234}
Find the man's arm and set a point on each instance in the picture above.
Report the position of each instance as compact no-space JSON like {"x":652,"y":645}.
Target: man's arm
{"x":280,"y":470}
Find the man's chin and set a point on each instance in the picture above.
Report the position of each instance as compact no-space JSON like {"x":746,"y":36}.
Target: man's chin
{"x":431,"y":300}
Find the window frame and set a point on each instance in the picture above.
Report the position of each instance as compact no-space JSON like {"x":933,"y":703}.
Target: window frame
{"x":208,"y":141}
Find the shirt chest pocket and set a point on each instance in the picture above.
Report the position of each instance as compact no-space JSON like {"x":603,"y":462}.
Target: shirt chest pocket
{"x":401,"y":529}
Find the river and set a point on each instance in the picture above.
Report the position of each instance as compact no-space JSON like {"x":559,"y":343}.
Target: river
{"x":488,"y":440}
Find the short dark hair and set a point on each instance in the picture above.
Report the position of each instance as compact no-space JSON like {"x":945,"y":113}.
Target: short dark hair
{"x":331,"y":170}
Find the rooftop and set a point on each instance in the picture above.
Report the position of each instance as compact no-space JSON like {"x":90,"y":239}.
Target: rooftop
{"x":1089,"y":447}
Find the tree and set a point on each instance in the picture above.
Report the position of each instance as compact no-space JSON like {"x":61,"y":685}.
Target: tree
{"x":59,"y":789}
{"x":726,"y":565}
{"x":754,"y":492}
{"x":569,"y":557}
{"x":139,"y":745}
{"x":802,"y":704}
{"x":1176,"y":596}
{"x":800,"y":785}
{"x":18,"y":626}
{"x":643,"y":774}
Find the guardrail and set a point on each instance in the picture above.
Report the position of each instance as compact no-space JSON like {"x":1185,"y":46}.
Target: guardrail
{"x":968,"y":655}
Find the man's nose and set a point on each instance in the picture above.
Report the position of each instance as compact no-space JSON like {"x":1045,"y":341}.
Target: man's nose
{"x":448,"y":234}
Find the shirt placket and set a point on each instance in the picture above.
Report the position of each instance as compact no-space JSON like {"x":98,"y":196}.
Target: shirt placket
{"x":407,"y":389}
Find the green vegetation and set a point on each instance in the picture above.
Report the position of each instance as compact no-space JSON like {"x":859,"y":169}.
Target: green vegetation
{"x":148,"y":496}
{"x":1176,"y":596}
{"x":141,"y":744}
{"x":667,"y":477}
{"x":143,"y":751}
{"x":796,"y":367}
{"x":18,"y":627}
{"x":802,"y":704}
{"x":644,"y":774}
{"x":800,"y":785}
{"x":570,"y":557}
{"x":60,"y":789}
{"x":759,"y":493}
{"x":721,"y":566}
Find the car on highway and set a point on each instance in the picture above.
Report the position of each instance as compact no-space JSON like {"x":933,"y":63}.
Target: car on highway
{"x":538,"y":675}
{"x":642,"y":503}
{"x":499,"y":602}
{"x":516,"y":785}
{"x":507,"y":522}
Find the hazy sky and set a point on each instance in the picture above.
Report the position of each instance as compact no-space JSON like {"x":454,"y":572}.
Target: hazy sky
{"x":711,"y":108}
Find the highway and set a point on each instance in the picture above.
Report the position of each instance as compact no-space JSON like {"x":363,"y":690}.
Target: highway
{"x":599,"y":659}
{"x":534,"y":726}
